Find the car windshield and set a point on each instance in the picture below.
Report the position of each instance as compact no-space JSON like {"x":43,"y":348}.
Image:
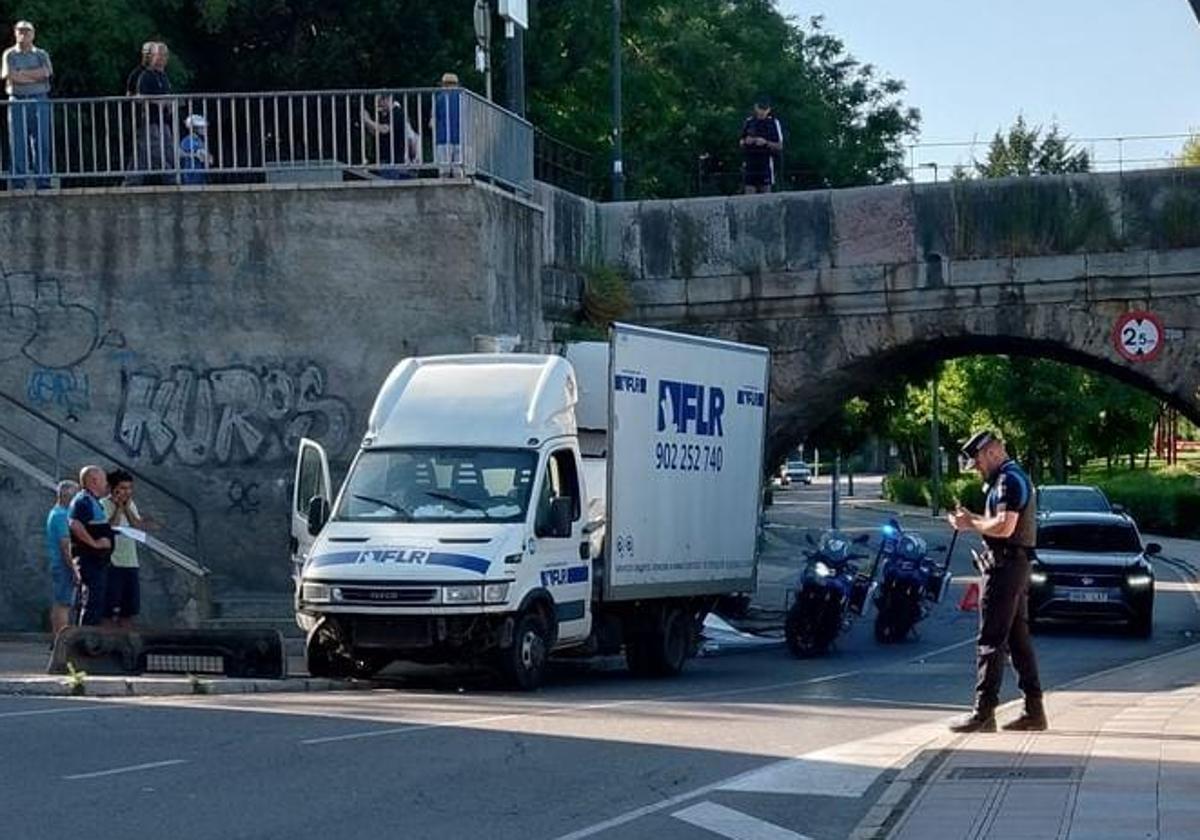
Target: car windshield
{"x":438,"y":485}
{"x":1089,"y":538}
{"x":1082,"y":499}
{"x":797,"y":465}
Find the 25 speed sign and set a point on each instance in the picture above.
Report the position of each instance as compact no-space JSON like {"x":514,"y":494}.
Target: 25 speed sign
{"x":1139,"y":336}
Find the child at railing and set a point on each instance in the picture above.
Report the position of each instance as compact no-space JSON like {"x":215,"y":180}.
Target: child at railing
{"x":194,"y":158}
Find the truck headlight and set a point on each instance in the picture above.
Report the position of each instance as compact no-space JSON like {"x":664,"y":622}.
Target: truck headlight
{"x":469,"y":594}
{"x":1139,"y":579}
{"x":495,"y":593}
{"x":315,"y":593}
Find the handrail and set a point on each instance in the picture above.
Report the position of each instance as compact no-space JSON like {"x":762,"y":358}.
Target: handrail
{"x":167,"y":552}
{"x":117,"y":462}
{"x":193,"y":139}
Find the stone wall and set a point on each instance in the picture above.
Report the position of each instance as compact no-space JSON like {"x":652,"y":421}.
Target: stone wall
{"x":197,"y":335}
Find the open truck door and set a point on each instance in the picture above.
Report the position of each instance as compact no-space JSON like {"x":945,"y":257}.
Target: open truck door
{"x":312,"y":499}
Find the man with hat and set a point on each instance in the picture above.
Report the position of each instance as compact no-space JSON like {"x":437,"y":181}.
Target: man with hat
{"x":1009,"y":530}
{"x":761,"y":142}
{"x":27,"y":71}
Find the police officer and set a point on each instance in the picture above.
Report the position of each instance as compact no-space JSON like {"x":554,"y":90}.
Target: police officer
{"x":1009,"y":530}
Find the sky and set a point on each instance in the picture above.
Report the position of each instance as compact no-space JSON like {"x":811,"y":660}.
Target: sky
{"x":1100,"y":68}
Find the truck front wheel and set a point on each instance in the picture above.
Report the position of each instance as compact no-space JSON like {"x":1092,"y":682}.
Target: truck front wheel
{"x":523,"y":664}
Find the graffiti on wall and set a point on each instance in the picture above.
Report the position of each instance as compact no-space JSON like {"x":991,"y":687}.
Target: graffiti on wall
{"x":40,"y":325}
{"x":230,"y":415}
{"x":64,"y":389}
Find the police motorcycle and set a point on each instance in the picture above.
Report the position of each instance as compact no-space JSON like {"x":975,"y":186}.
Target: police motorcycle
{"x":830,"y":591}
{"x":910,"y":584}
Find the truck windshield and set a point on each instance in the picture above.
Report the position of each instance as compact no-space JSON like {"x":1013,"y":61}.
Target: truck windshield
{"x":438,"y":485}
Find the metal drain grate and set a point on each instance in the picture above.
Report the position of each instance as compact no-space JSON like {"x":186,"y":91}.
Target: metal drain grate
{"x":1048,"y":773}
{"x":185,"y":664}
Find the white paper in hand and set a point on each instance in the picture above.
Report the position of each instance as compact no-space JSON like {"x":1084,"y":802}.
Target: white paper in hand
{"x":133,"y":533}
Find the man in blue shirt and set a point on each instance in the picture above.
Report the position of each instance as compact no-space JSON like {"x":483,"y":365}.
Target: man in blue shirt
{"x":91,"y":543}
{"x":63,"y":575}
{"x":1009,"y":530}
{"x":27,"y":71}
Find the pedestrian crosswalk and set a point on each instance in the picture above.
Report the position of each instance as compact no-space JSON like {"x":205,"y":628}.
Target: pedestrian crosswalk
{"x":846,"y":770}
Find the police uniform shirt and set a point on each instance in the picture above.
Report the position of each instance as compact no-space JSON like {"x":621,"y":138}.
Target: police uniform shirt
{"x":1012,"y":491}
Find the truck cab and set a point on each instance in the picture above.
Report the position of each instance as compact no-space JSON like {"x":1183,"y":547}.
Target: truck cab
{"x":462,"y":526}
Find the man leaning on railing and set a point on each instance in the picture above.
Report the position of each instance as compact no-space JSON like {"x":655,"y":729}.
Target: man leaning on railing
{"x":27,"y":71}
{"x":154,"y":120}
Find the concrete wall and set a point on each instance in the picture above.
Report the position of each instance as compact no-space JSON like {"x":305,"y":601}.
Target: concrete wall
{"x":197,"y":335}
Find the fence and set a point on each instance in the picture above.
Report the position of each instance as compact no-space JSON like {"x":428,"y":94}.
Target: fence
{"x":317,"y":136}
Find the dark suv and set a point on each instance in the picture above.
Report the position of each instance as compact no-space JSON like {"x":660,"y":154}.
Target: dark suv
{"x":1092,"y":567}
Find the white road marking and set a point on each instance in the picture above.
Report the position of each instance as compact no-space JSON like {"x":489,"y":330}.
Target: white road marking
{"x":733,"y":824}
{"x":57,"y":711}
{"x":133,"y":768}
{"x":911,"y":704}
{"x":1189,"y":582}
{"x":845,"y":770}
{"x":778,"y":775}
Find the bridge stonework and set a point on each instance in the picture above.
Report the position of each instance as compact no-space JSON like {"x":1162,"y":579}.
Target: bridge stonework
{"x":850,"y":287}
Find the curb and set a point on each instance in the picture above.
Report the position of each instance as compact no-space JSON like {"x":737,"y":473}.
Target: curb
{"x":42,"y":686}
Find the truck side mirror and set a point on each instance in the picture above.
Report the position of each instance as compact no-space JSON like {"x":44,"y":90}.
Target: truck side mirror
{"x":318,"y":514}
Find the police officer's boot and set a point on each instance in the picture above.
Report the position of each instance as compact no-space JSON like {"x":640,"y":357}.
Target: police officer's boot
{"x":1033,"y":719}
{"x":980,"y":720}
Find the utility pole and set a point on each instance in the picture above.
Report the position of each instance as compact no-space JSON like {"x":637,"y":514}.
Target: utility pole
{"x":483,"y":43}
{"x":618,"y":163}
{"x":935,"y":452}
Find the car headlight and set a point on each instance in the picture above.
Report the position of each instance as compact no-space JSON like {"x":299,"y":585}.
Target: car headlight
{"x":822,"y":569}
{"x":1139,"y":579}
{"x":315,"y":593}
{"x":495,"y":593}
{"x":469,"y":594}
{"x":1038,"y":578}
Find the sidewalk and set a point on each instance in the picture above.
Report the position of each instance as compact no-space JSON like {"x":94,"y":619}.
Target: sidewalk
{"x":1121,"y":760}
{"x":23,"y":661}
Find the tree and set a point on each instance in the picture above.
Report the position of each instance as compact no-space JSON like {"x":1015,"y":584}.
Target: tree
{"x":691,"y":69}
{"x":1189,"y":155}
{"x":1026,"y":151}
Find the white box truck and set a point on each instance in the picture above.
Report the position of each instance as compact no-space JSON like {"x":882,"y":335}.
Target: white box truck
{"x":507,"y":506}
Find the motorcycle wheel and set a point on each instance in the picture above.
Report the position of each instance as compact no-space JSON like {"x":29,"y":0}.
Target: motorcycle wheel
{"x":802,"y":633}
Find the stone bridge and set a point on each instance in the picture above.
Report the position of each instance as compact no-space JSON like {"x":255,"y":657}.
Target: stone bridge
{"x":850,"y":287}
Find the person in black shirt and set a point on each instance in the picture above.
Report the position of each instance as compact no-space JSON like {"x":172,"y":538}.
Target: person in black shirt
{"x":91,"y":544}
{"x":131,"y":81}
{"x":1009,"y":530}
{"x":155,"y":118}
{"x":761,"y":142}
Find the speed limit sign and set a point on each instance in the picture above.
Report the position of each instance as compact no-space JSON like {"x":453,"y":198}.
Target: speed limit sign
{"x":1139,"y":336}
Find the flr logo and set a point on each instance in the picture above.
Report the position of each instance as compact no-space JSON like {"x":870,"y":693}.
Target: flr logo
{"x":690,"y":408}
{"x":393,"y":555}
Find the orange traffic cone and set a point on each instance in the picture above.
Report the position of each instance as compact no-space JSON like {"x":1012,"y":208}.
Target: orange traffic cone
{"x":970,"y":598}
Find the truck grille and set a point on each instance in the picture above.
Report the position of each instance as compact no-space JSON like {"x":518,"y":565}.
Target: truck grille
{"x":387,"y":595}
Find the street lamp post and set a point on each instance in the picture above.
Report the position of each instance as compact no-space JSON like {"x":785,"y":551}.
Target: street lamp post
{"x":618,"y":164}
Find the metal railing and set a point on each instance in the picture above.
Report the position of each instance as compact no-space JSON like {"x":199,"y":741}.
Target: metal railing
{"x":44,"y":450}
{"x":564,"y":165}
{"x":270,"y":137}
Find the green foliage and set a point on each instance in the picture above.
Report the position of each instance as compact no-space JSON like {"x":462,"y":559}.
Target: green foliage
{"x":917,"y":491}
{"x":76,"y":681}
{"x":1027,"y":151}
{"x":1166,"y":502}
{"x":690,"y":69}
{"x":1189,"y":155}
{"x":606,"y":295}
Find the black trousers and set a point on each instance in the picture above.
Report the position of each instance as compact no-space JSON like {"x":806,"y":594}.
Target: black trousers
{"x":1004,"y":630}
{"x":93,"y":599}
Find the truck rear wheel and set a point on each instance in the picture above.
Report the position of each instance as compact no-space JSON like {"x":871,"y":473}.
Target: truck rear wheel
{"x":660,"y":650}
{"x":523,"y":664}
